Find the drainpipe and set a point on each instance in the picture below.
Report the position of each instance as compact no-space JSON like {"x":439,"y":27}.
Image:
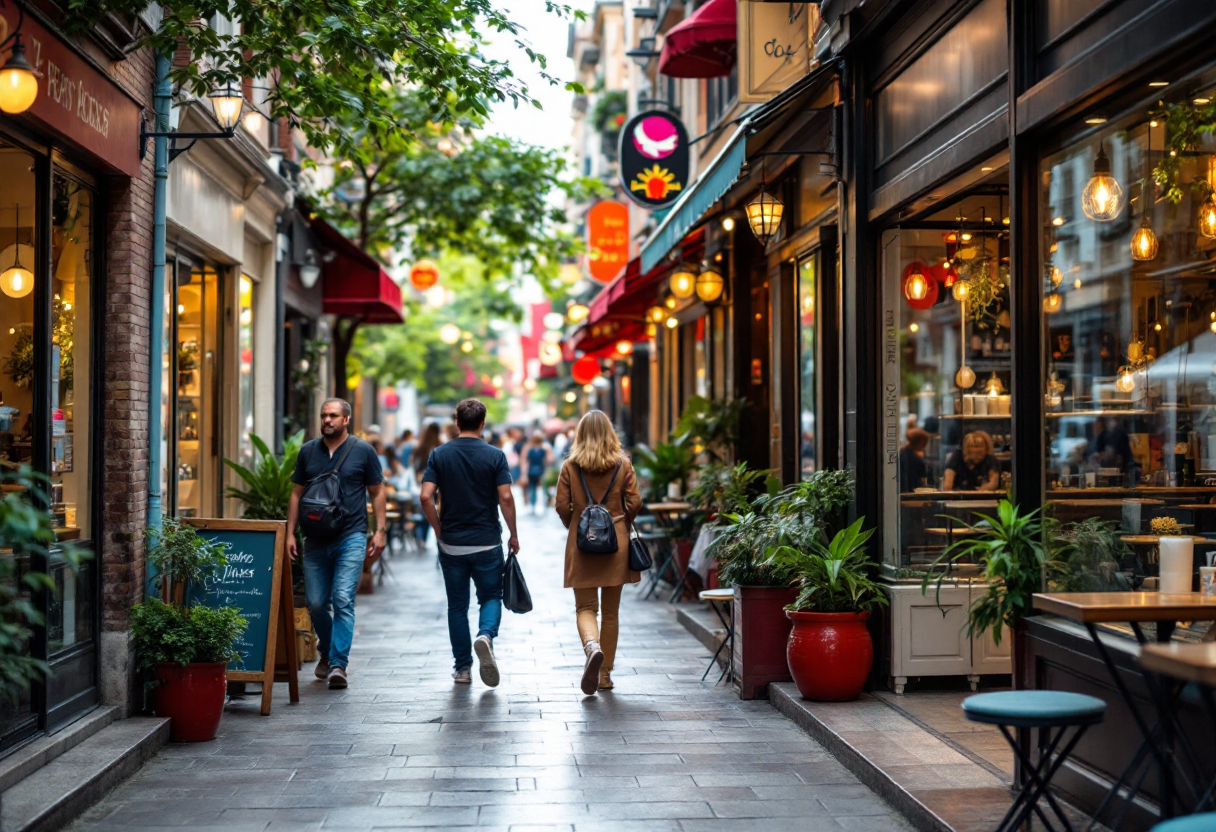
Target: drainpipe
{"x":161,"y":101}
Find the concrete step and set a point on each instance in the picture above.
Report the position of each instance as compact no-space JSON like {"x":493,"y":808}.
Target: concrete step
{"x":702,"y":623}
{"x":29,"y":758}
{"x":52,"y":794}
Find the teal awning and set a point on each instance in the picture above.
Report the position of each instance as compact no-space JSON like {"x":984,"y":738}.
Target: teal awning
{"x":688,"y":210}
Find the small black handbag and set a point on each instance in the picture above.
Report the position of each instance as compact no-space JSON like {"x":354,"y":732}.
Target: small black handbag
{"x":639,"y":555}
{"x":515,"y":595}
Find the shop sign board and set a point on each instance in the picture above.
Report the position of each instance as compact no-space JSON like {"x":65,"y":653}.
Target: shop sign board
{"x":654,"y":159}
{"x":257,"y":581}
{"x":76,"y":102}
{"x":607,"y":239}
{"x":775,"y":46}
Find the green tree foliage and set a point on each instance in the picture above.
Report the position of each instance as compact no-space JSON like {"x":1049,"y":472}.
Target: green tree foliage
{"x":334,"y":63}
{"x":438,"y":187}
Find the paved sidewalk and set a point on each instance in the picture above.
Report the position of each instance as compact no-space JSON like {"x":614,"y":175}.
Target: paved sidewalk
{"x":405,"y":748}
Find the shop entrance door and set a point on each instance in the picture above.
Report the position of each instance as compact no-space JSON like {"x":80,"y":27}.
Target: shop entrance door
{"x":195,"y":388}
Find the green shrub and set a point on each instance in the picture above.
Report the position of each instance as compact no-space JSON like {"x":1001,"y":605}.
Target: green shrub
{"x":184,"y":635}
{"x":269,"y":480}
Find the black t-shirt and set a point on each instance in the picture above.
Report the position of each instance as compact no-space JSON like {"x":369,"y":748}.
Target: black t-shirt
{"x":967,"y":477}
{"x":914,"y":472}
{"x":468,"y":472}
{"x":360,"y":469}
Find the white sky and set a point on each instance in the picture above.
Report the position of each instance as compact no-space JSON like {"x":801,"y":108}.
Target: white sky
{"x":548,"y":34}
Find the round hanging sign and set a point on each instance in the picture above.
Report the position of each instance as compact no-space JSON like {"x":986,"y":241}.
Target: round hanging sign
{"x":654,"y":159}
{"x":423,"y":275}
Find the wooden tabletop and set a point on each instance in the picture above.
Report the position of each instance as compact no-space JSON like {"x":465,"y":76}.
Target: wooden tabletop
{"x":1197,"y":506}
{"x":1189,"y":662}
{"x":669,"y":506}
{"x":1106,"y":502}
{"x":1155,"y":490}
{"x":959,"y":531}
{"x":1109,"y":607}
{"x":971,"y":503}
{"x":1154,"y":539}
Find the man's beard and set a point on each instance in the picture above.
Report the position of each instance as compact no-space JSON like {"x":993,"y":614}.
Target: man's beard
{"x":329,"y":430}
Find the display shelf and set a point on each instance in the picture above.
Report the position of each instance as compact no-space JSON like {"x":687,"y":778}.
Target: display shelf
{"x":958,"y":417}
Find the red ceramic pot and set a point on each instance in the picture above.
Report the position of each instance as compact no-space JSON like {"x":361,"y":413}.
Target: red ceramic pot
{"x":830,"y":654}
{"x":192,"y":697}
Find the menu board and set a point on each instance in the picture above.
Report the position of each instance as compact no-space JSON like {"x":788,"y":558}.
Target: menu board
{"x":256,"y":582}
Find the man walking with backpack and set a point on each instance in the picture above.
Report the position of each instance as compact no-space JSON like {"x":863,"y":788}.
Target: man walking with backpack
{"x":474,"y":482}
{"x":334,"y":477}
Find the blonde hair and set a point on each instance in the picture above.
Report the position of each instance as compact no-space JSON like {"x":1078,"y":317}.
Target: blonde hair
{"x":596,"y":446}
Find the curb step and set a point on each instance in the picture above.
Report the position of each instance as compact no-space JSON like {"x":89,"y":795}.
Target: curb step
{"x":703,"y":624}
{"x":55,"y":793}
{"x":22,"y":763}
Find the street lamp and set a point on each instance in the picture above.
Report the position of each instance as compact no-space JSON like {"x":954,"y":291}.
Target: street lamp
{"x":227,"y":103}
{"x":644,"y":53}
{"x":18,"y":81}
{"x":710,"y":284}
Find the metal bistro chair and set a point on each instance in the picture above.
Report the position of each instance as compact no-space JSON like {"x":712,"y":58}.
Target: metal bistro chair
{"x":725,"y":597}
{"x":659,"y":543}
{"x":1046,"y":710}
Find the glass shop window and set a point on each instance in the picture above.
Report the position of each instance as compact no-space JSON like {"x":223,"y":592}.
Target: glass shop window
{"x":197,"y":392}
{"x":245,"y":368}
{"x":947,"y":363}
{"x":1129,"y":287}
{"x":807,"y":392}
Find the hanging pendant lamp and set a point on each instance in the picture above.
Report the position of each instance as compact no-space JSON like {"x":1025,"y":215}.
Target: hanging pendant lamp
{"x":1144,"y":241}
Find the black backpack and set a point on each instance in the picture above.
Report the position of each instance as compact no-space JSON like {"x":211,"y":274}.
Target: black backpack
{"x":596,"y":530}
{"x":322,"y":516}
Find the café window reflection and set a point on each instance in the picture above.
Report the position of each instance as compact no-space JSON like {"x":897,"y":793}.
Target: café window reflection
{"x":807,"y":392}
{"x":1130,"y":327}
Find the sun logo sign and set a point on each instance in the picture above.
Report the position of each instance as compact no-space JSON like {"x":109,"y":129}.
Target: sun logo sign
{"x":654,"y":159}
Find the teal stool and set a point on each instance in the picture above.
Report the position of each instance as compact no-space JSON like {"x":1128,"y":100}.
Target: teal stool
{"x":1052,"y":713}
{"x":1191,"y":823}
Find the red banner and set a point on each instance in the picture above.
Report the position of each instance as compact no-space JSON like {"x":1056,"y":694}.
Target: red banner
{"x":607,"y":239}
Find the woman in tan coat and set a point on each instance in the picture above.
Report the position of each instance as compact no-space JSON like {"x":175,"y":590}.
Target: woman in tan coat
{"x":597,"y":580}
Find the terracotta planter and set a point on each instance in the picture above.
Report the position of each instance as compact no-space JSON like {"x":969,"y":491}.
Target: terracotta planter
{"x":830,"y":654}
{"x":192,"y":697}
{"x":761,"y":632}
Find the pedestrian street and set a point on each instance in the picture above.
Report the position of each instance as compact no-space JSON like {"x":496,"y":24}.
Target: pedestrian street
{"x":403,"y":747}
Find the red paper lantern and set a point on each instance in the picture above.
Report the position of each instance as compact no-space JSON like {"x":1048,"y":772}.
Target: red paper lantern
{"x":392,"y":401}
{"x":927,"y":282}
{"x":585,"y":370}
{"x":423,"y":275}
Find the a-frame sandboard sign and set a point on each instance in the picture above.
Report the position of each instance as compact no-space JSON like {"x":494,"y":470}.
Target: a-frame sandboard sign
{"x":257,"y":581}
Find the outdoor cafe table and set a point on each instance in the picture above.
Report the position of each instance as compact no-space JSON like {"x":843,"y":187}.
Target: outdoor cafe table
{"x":1134,"y":608}
{"x":1188,"y":663}
{"x":666,"y":515}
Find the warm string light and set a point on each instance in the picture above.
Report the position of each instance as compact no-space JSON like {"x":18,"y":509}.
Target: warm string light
{"x":1100,"y":201}
{"x":965,"y":377}
{"x":1144,"y":241}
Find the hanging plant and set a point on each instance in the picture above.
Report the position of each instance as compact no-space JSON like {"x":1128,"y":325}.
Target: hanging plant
{"x":988,"y":281}
{"x":1186,"y":127}
{"x":19,"y":366}
{"x":608,"y":115}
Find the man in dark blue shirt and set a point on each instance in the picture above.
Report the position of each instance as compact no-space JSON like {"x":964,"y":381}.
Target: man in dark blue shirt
{"x":332,"y":566}
{"x":474,"y":482}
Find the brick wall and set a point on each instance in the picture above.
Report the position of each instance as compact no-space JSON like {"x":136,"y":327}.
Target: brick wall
{"x":124,"y":417}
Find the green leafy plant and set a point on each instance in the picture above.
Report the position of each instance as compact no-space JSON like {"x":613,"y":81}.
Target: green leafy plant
{"x":182,"y":558}
{"x":713,"y":425}
{"x":268,"y":480}
{"x":184,"y":635}
{"x":27,"y":534}
{"x":835,"y":577}
{"x":666,"y":463}
{"x":1010,"y":548}
{"x":608,"y":114}
{"x":724,"y":488}
{"x":739,"y":549}
{"x":1089,"y":553}
{"x":1186,"y":127}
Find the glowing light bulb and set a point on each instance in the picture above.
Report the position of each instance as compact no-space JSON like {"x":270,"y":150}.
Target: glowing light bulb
{"x":961,"y":290}
{"x":1207,"y":217}
{"x":1076,"y":284}
{"x":1100,"y":201}
{"x":914,"y":327}
{"x":965,"y":377}
{"x":1126,"y":382}
{"x":1052,"y":303}
{"x":916,"y":287}
{"x":1055,"y":276}
{"x":1157,"y":326}
{"x":1144,"y":242}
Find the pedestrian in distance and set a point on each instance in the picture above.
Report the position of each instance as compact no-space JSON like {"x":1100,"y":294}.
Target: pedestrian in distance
{"x":473,"y":482}
{"x":335,"y":533}
{"x":597,"y":471}
{"x":537,"y":459}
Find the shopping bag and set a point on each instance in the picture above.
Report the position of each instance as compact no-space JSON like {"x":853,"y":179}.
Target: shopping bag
{"x":515,"y":595}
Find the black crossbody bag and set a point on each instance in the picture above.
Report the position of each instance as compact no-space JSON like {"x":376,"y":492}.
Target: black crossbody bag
{"x":639,"y":554}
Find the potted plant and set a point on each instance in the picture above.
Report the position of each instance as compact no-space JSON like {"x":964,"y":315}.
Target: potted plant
{"x":830,"y":651}
{"x":1009,"y":548}
{"x":1091,"y":556}
{"x":186,"y":645}
{"x":665,"y":466}
{"x":721,"y":489}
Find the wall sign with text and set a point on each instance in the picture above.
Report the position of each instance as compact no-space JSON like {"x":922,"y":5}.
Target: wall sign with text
{"x":654,"y":159}
{"x":775,"y":46}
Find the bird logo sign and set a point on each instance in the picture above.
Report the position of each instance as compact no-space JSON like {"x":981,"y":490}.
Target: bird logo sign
{"x":654,"y":159}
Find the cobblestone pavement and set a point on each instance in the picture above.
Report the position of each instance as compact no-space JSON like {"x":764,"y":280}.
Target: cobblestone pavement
{"x":405,"y":748}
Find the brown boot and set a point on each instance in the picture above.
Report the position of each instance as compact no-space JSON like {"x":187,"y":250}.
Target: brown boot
{"x":591,"y":670}
{"x":605,"y":680}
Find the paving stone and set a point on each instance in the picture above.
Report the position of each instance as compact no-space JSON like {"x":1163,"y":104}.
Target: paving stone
{"x":404,"y":748}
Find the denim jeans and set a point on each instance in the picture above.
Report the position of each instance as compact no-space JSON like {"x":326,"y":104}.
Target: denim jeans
{"x":485,"y":568}
{"x":331,"y":579}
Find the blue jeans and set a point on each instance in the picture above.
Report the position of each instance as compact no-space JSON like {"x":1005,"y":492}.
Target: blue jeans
{"x":485,"y":568}
{"x":331,"y":579}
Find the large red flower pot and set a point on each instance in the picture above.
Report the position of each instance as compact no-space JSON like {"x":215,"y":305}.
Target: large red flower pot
{"x":830,"y":654}
{"x":761,"y":631}
{"x":192,"y":697}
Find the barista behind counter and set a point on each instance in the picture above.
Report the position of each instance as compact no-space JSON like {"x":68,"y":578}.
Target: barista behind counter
{"x":974,"y":467}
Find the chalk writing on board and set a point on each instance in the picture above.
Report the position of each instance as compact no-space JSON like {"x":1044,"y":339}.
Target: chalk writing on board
{"x":246,"y":583}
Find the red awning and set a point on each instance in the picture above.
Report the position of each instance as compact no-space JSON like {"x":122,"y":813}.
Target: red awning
{"x":703,"y":45}
{"x":355,"y":284}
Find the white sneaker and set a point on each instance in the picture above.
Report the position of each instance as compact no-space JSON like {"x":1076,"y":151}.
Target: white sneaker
{"x":486,"y":664}
{"x":463,"y":676}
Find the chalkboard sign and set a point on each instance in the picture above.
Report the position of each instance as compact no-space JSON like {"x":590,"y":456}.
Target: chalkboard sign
{"x":256,"y":583}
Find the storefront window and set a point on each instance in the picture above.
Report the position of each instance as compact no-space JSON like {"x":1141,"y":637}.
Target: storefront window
{"x":197,"y":390}
{"x":1130,"y":330}
{"x":947,"y":362}
{"x":807,"y":328}
{"x":245,"y":369}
